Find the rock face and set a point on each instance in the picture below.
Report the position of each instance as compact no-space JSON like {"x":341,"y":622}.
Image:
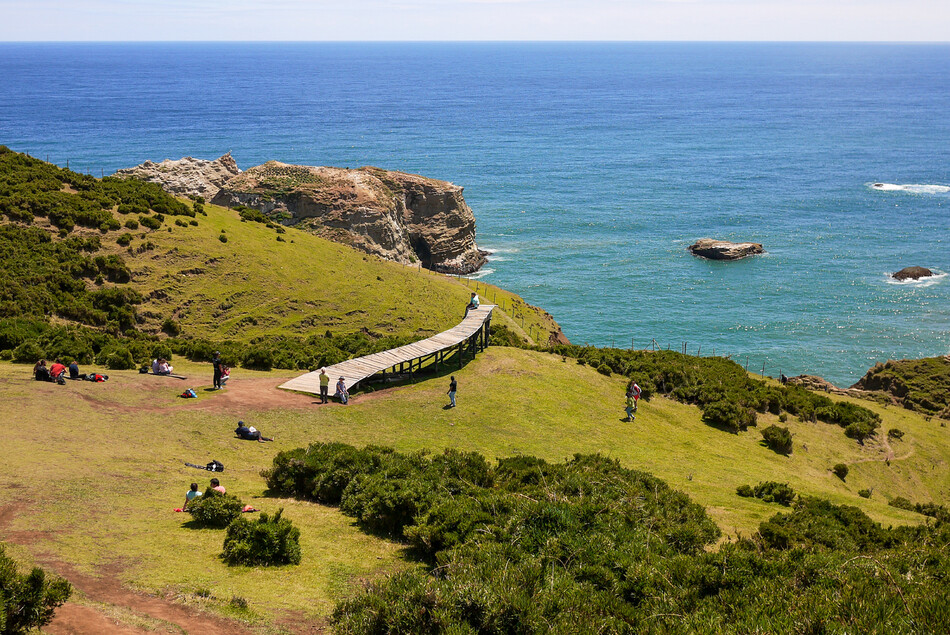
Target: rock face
{"x":813,"y":382}
{"x":397,"y":216}
{"x":724,"y":250}
{"x":912,"y":273}
{"x":186,"y":177}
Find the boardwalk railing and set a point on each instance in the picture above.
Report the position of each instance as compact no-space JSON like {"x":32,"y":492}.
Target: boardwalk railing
{"x":470,"y":336}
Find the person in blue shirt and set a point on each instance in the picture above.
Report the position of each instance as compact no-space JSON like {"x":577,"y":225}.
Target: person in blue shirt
{"x":191,"y":495}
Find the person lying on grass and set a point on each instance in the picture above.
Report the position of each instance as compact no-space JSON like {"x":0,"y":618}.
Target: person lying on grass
{"x":250,"y":433}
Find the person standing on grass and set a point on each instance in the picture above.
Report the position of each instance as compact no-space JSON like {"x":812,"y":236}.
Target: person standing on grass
{"x":453,"y":386}
{"x":217,"y":364}
{"x":631,"y":403}
{"x":341,"y":391}
{"x":324,"y":386}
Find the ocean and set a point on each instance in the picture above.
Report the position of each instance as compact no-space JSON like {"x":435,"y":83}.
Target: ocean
{"x":590,"y":168}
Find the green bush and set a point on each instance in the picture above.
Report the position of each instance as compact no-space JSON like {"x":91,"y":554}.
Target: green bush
{"x":604,"y":369}
{"x":895,"y":433}
{"x":214,"y":509}
{"x":171,"y":327}
{"x":773,"y":492}
{"x":728,"y":415}
{"x":131,"y":224}
{"x":267,"y":541}
{"x":840,"y":470}
{"x":778,"y":439}
{"x":859,"y":431}
{"x":745,"y":491}
{"x":125,"y":239}
{"x":864,"y":493}
{"x":222,"y":237}
{"x":28,"y":601}
{"x":116,"y":357}
{"x":151,"y":222}
{"x":902,"y":503}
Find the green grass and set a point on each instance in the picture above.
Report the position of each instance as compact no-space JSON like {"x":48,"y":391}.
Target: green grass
{"x":100,"y":466}
{"x":254,"y":286}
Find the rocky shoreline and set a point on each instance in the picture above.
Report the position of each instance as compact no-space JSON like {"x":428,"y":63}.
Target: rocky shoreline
{"x":402,"y":217}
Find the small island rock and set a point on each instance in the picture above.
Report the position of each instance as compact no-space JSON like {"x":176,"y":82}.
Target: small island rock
{"x":912,"y":273}
{"x":724,"y":250}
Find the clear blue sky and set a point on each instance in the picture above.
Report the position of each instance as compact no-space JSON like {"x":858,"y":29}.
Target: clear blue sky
{"x":142,"y":20}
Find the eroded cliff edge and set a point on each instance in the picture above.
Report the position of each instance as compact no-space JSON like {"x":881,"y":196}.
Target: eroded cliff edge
{"x":402,"y":217}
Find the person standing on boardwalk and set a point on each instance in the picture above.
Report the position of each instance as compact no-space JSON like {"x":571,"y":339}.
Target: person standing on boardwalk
{"x":341,"y":391}
{"x":217,"y":364}
{"x":453,"y":386}
{"x":324,"y":386}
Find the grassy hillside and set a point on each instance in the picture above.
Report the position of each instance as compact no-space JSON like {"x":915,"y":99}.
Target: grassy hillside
{"x":117,"y":451}
{"x":918,"y":384}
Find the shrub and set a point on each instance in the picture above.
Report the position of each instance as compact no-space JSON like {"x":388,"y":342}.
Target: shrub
{"x":728,"y":416}
{"x":864,"y":493}
{"x":214,"y":509}
{"x":783,"y":417}
{"x":772,"y":492}
{"x":28,"y":601}
{"x":895,"y":433}
{"x":124,"y":239}
{"x":779,"y":439}
{"x":258,"y":357}
{"x":267,"y":541}
{"x":901,"y":503}
{"x":745,"y":491}
{"x":117,"y":357}
{"x":171,"y":327}
{"x":222,"y":237}
{"x":181,"y":222}
{"x":131,"y":224}
{"x":859,"y":430}
{"x":150,"y":222}
{"x":840,"y":470}
{"x":604,"y":369}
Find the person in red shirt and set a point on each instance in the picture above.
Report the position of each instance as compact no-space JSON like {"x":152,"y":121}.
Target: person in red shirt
{"x":56,"y":370}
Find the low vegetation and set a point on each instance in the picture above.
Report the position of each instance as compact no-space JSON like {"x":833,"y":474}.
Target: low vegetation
{"x":768,"y":491}
{"x":729,"y":397}
{"x":214,"y":509}
{"x":529,"y":546}
{"x":778,"y":439}
{"x":266,"y":541}
{"x":28,"y":600}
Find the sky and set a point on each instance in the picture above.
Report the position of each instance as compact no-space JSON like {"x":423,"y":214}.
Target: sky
{"x":450,"y":20}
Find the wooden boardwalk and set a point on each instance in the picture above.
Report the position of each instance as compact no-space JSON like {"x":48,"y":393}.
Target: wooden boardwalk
{"x":470,"y":336}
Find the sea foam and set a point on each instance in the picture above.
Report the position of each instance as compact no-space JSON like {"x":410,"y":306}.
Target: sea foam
{"x":913,"y":188}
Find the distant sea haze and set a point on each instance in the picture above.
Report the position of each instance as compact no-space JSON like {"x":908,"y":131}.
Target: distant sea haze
{"x":590,"y":168}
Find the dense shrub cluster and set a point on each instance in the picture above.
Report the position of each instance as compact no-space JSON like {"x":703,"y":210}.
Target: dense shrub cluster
{"x":721,"y":386}
{"x":267,"y":541}
{"x":920,"y":384}
{"x":769,"y":491}
{"x":778,"y":439}
{"x":587,"y":546}
{"x":940,"y":512}
{"x":28,"y":601}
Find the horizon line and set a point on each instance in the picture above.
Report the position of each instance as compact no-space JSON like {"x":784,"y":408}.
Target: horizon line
{"x":478,"y":41}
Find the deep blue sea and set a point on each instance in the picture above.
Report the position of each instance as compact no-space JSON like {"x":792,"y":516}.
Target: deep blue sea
{"x":590,"y":168}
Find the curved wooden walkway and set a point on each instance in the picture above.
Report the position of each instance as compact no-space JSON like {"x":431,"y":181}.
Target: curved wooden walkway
{"x":470,"y":336}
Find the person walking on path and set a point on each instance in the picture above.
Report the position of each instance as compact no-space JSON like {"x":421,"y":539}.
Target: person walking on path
{"x":341,"y":391}
{"x":217,"y":364}
{"x":631,"y":405}
{"x":635,"y":388}
{"x":453,"y":387}
{"x":324,"y":386}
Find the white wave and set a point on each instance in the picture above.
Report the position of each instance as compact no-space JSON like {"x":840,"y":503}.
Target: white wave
{"x":497,"y":250}
{"x":929,"y":281}
{"x":494,"y":258}
{"x":913,"y":188}
{"x":481,"y":273}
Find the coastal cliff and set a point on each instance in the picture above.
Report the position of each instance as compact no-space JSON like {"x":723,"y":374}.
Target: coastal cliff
{"x":187,"y":176}
{"x":397,"y":216}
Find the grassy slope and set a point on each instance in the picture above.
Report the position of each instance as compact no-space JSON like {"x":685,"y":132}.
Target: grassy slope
{"x":117,"y":451}
{"x":254,"y":285}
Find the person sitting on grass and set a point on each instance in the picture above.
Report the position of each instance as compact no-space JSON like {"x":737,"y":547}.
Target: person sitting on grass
{"x":191,"y":495}
{"x":164,"y":368}
{"x":250,"y":433}
{"x":40,"y":371}
{"x":217,"y":486}
{"x":341,"y":391}
{"x":57,"y":370}
{"x":74,"y":370}
{"x":156,"y":364}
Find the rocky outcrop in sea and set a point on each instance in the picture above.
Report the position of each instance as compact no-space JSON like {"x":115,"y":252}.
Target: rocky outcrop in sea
{"x":402,"y":217}
{"x":912,"y":273}
{"x":724,"y":250}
